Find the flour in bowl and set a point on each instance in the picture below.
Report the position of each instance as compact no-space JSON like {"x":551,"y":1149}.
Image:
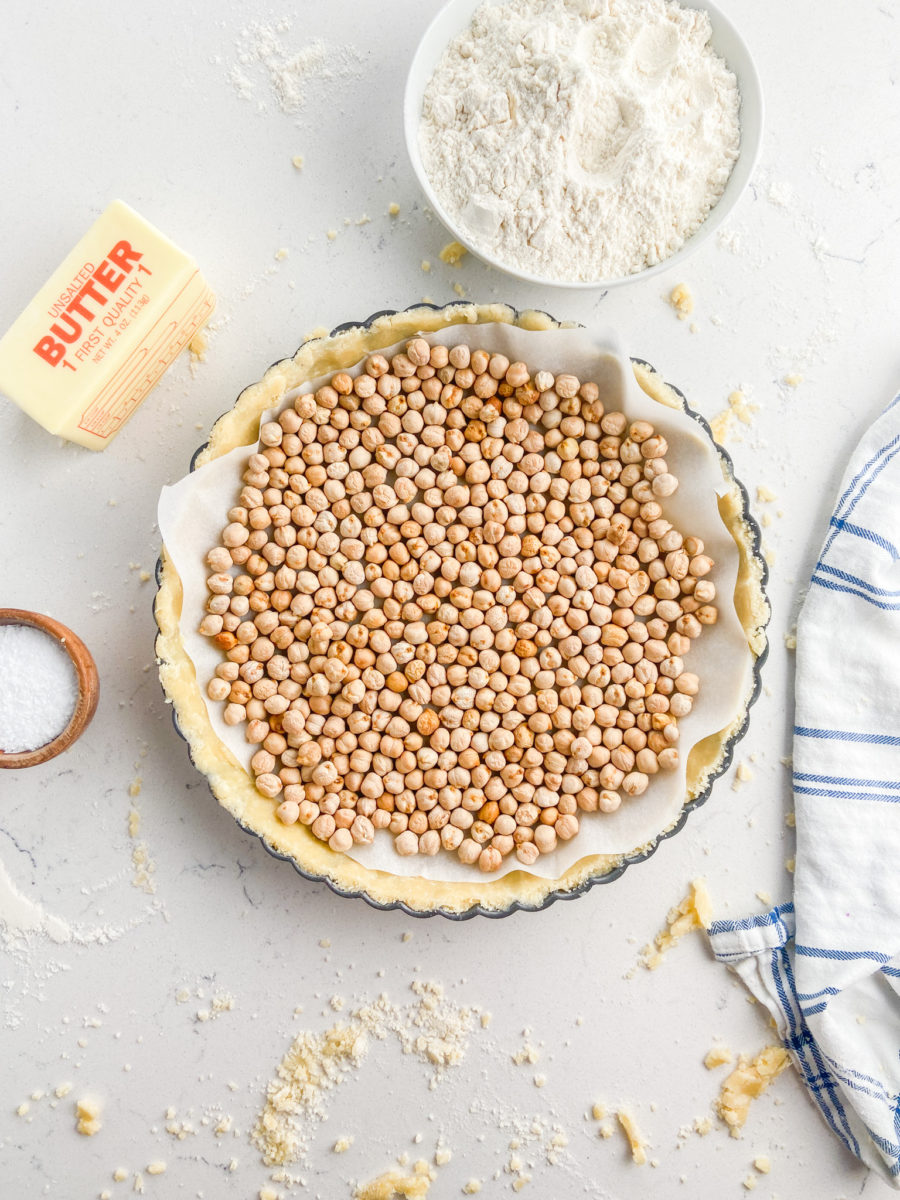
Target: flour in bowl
{"x":580,"y":140}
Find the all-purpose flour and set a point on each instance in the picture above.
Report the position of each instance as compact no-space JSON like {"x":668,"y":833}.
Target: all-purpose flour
{"x":580,"y":139}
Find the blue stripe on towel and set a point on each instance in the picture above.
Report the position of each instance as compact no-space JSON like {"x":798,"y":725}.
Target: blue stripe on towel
{"x":877,"y":1088}
{"x":845,"y":735}
{"x":882,"y":457}
{"x":840,"y":587}
{"x":826,"y":991}
{"x":848,"y":491}
{"x":819,"y":1081}
{"x":840,"y":955}
{"x":774,"y":917}
{"x":881,"y":797}
{"x":863,"y":583}
{"x":868,"y":535}
{"x":805,"y":777}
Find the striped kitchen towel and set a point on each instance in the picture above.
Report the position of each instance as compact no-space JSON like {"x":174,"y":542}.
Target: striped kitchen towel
{"x":828,"y":965}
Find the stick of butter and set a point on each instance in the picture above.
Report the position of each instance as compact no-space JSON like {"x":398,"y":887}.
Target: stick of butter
{"x":103,"y":329}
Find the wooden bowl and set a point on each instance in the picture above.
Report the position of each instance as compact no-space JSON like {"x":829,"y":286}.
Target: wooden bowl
{"x":88,"y":687}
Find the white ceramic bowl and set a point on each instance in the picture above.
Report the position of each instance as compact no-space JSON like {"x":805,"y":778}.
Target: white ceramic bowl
{"x":726,"y":41}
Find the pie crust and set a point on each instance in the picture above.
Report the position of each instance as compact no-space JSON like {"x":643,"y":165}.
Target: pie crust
{"x":229,"y":780}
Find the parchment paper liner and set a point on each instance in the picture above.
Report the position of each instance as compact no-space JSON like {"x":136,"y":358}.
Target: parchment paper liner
{"x":192,"y":514}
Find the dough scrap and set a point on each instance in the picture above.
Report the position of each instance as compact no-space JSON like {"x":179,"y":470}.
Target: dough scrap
{"x":397,"y":1185}
{"x":694,"y":912}
{"x":747,"y":1081}
{"x":636,"y":1141}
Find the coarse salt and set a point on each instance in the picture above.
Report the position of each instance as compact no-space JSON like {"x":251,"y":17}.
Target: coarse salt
{"x":38,"y":688}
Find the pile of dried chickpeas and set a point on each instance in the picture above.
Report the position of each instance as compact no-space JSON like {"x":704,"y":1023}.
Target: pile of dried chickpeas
{"x":451,"y":607}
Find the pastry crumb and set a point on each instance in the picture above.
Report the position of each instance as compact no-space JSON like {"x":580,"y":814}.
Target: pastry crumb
{"x":431,"y":1027}
{"x":682,"y":300}
{"x":197,"y":346}
{"x":156,"y":1168}
{"x":331,"y":234}
{"x":718,"y":1056}
{"x":87,"y":1116}
{"x":742,"y":410}
{"x":720,"y":426}
{"x":790,"y":640}
{"x":393,"y":209}
{"x":343,"y":1144}
{"x":790,"y":819}
{"x":397,"y":1185}
{"x":750,"y":1183}
{"x":793,"y":379}
{"x":743,"y":774}
{"x":425,"y":265}
{"x":765,"y":495}
{"x":297,"y":162}
{"x":472,"y":1187}
{"x":526,"y":1054}
{"x":453,"y":253}
{"x":762,"y":1164}
{"x":790,"y":865}
{"x":636,"y":1141}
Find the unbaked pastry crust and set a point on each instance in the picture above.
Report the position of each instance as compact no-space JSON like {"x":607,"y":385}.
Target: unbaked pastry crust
{"x":229,"y":780}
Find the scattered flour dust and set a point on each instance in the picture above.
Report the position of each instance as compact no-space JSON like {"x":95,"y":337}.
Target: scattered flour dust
{"x":25,"y":925}
{"x":268,"y":53}
{"x":547,"y":121}
{"x":21,"y":917}
{"x":431,"y":1027}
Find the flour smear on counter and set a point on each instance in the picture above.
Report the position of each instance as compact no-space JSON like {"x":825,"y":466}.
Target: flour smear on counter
{"x":580,"y":140}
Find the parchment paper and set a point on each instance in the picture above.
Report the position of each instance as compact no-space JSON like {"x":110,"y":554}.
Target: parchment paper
{"x":192,"y":514}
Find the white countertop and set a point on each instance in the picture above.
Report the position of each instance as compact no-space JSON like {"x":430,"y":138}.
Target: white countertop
{"x":98,"y":102}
